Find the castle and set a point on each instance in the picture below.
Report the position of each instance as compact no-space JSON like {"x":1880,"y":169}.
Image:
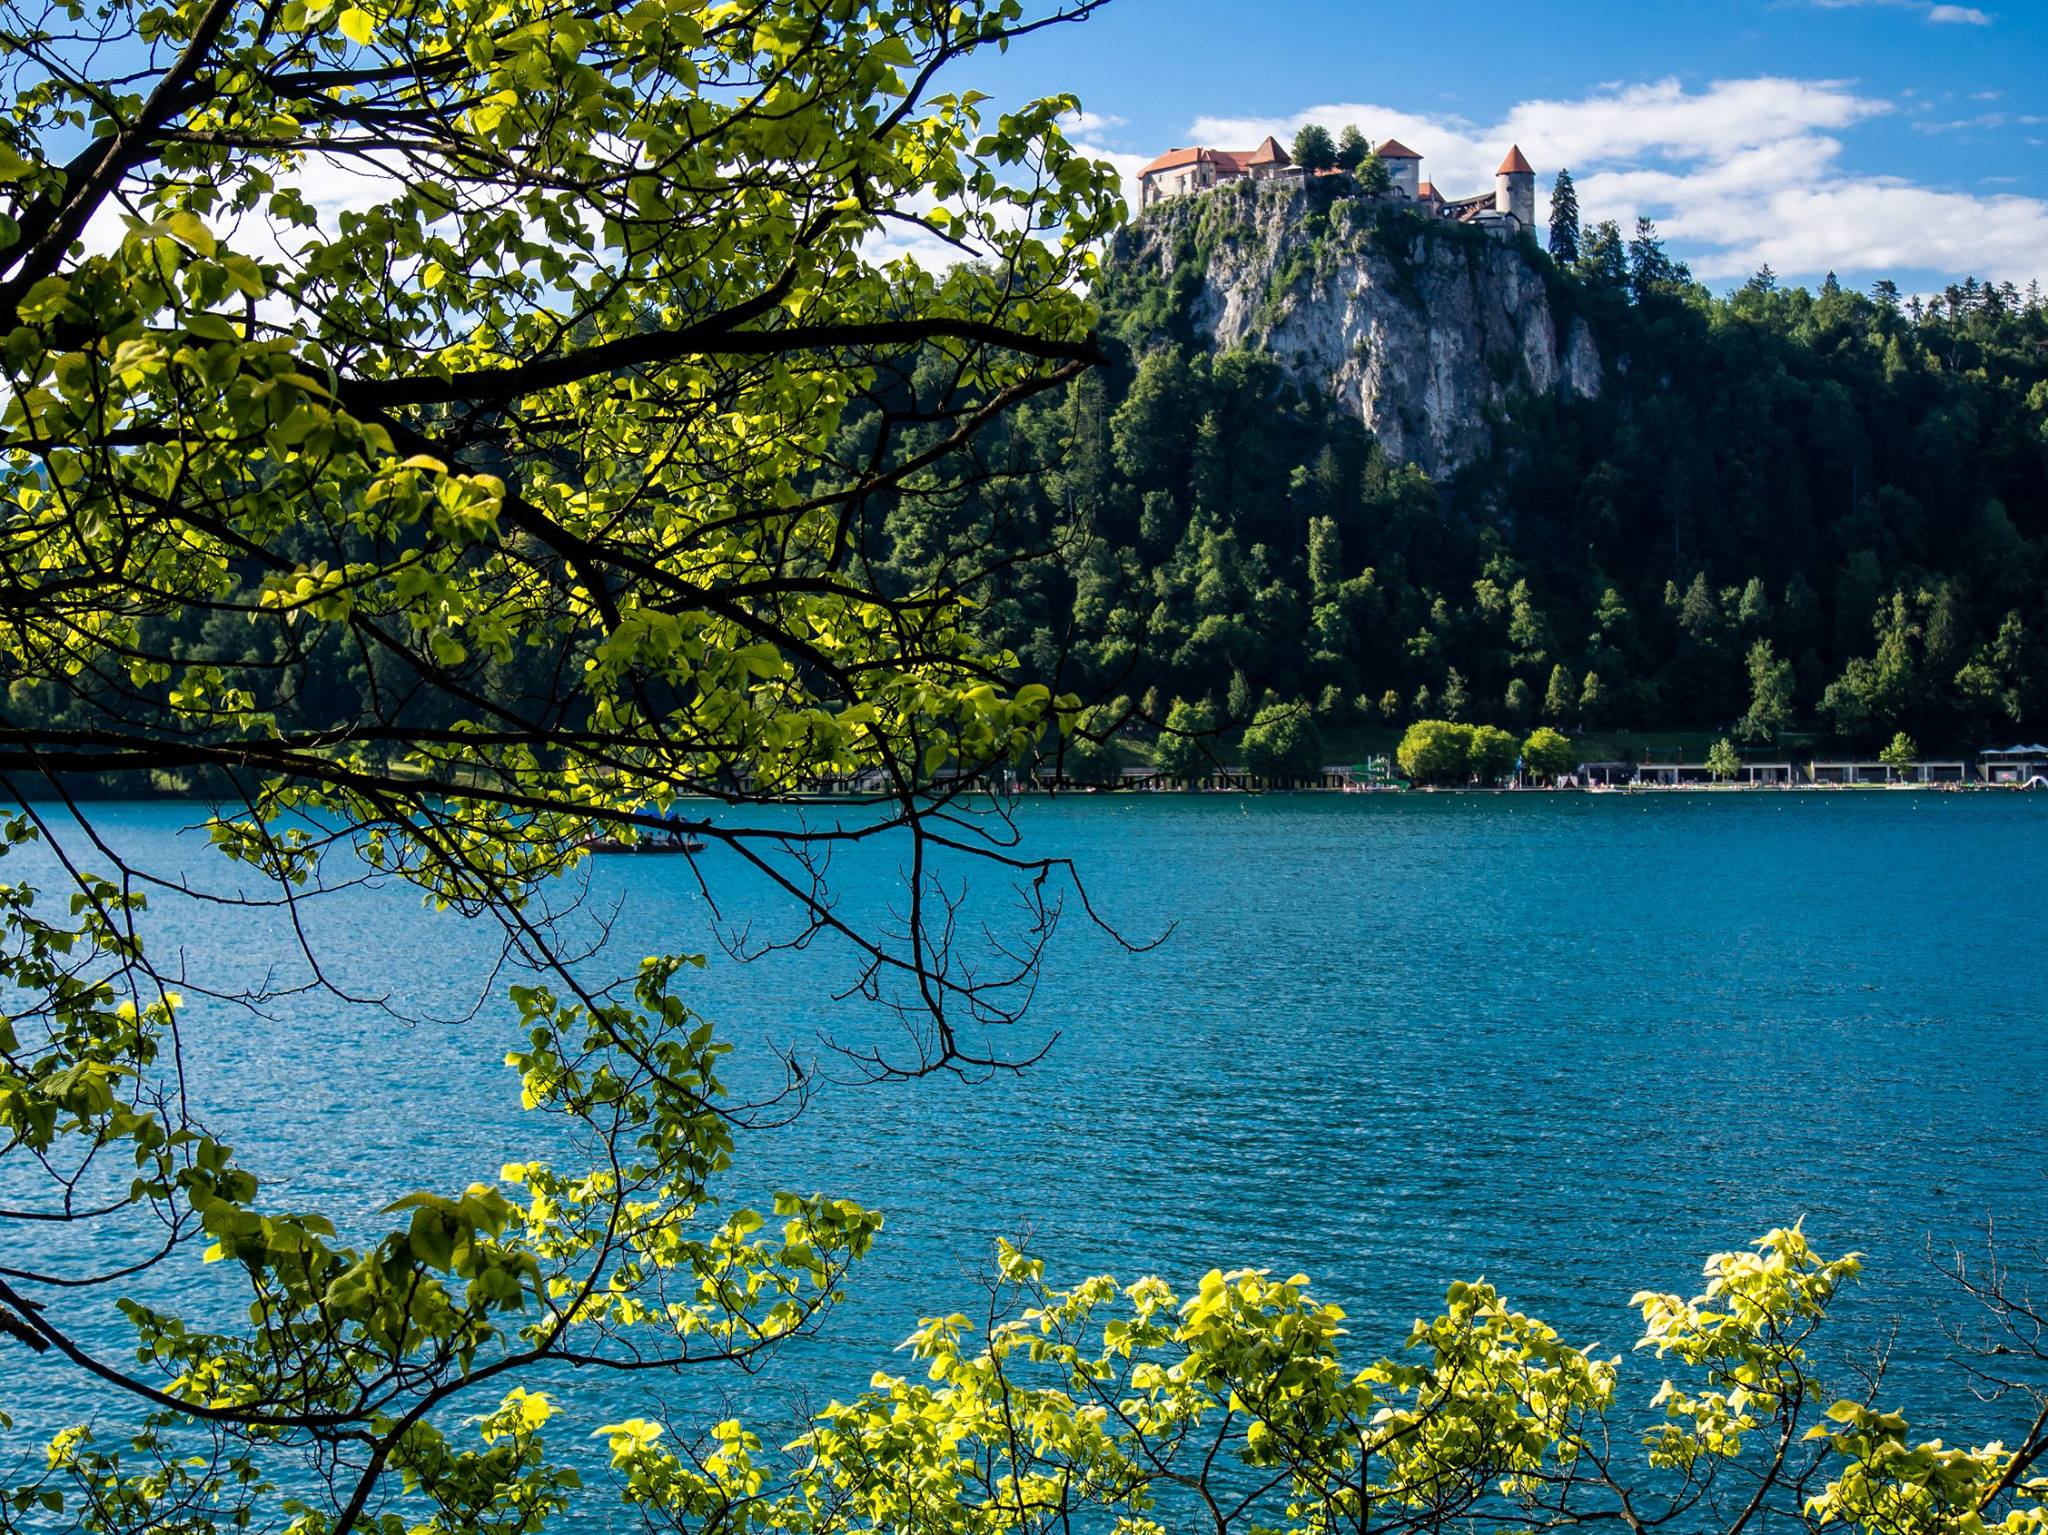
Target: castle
{"x":1508,"y":209}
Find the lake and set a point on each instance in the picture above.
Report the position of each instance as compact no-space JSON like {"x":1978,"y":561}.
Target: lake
{"x":1571,"y":1043}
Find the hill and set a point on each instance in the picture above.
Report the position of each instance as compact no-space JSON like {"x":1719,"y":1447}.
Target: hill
{"x":1392,"y":468}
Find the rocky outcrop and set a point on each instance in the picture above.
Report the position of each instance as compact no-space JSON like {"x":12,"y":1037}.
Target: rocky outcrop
{"x":1429,"y":332}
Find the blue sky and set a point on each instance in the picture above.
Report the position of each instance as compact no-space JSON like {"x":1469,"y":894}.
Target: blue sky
{"x":1900,"y":138}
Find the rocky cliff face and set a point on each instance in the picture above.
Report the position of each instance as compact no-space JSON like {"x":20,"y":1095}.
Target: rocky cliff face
{"x":1427,"y":332}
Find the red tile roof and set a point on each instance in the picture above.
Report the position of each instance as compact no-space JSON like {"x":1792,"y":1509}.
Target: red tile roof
{"x":1426,"y":192}
{"x":1515,"y":164}
{"x":1173,"y":159}
{"x":1268,"y":153}
{"x":1394,"y":149}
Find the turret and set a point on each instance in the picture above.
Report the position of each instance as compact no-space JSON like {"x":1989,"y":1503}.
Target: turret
{"x":1514,"y":188}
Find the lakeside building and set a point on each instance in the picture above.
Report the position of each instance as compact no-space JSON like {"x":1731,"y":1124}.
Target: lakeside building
{"x":1507,"y":210}
{"x":1848,"y":773}
{"x":2014,"y":764}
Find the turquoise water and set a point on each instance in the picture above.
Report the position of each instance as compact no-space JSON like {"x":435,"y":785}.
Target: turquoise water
{"x":1570,"y":1043}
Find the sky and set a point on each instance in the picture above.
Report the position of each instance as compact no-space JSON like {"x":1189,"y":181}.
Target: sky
{"x":1901,"y":139}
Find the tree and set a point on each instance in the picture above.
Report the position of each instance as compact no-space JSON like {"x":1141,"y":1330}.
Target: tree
{"x":1604,"y":258}
{"x":1901,"y":752}
{"x":1592,"y":698}
{"x":1486,"y":1417}
{"x":1436,"y":752}
{"x":545,"y":433}
{"x":1770,"y":695}
{"x":1722,"y":760}
{"x":1549,"y":754}
{"x":1373,"y":177}
{"x":1314,"y":150}
{"x":1557,"y":696}
{"x":1519,"y":702}
{"x":1282,"y":744}
{"x":1455,"y":696}
{"x":1185,"y":751}
{"x":1564,"y":221}
{"x":1649,"y":268}
{"x":1493,"y":753}
{"x":1352,"y":148}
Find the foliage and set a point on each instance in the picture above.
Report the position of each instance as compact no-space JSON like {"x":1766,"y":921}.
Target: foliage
{"x":1860,"y":485}
{"x":1436,"y":752}
{"x":1185,"y":751}
{"x":1723,"y":761}
{"x":1314,"y":149}
{"x":1283,"y":744}
{"x":1564,"y":221}
{"x":435,"y":540}
{"x":1242,"y":1405}
{"x":1373,"y":176}
{"x":1900,"y":752}
{"x":1494,"y":753}
{"x":1352,"y":148}
{"x":1549,"y":754}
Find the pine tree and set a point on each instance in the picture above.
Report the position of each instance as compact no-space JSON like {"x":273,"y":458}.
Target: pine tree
{"x":1604,"y":258}
{"x":1455,"y":697}
{"x":1649,"y":268}
{"x":1592,"y":699}
{"x":1564,"y":221}
{"x":1557,"y":698}
{"x":1832,"y":288}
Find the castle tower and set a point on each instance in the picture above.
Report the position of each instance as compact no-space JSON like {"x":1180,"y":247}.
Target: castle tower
{"x":1514,"y":188}
{"x":1404,"y":165}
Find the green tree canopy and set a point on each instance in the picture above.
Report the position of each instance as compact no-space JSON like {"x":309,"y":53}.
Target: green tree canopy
{"x":1352,"y":148}
{"x":1186,"y":747}
{"x":1314,"y":149}
{"x":1723,"y":761}
{"x":1493,"y":753}
{"x":1283,"y":743}
{"x":1436,"y":752}
{"x":545,"y":437}
{"x":1549,"y":754}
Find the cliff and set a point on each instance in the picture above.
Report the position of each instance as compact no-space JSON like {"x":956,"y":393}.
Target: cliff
{"x":1427,"y":331}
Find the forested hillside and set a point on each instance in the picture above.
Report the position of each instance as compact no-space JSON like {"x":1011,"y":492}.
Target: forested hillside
{"x":1825,"y":511}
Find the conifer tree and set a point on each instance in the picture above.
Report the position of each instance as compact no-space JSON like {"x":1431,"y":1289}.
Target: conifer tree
{"x":1564,"y":221}
{"x":1557,"y":698}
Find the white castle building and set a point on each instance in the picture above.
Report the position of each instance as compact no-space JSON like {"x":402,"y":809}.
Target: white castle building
{"x":1509,"y":208}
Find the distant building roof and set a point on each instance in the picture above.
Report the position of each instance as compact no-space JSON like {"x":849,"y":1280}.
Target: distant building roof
{"x":1223,"y":159}
{"x":1394,"y":149}
{"x":1515,"y":164}
{"x":1426,"y":192}
{"x":1269,"y":153}
{"x":1174,"y":159}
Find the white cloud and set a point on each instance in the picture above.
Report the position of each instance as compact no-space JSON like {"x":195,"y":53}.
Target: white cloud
{"x":1077,"y":124}
{"x":1939,"y":15}
{"x":1736,"y":173}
